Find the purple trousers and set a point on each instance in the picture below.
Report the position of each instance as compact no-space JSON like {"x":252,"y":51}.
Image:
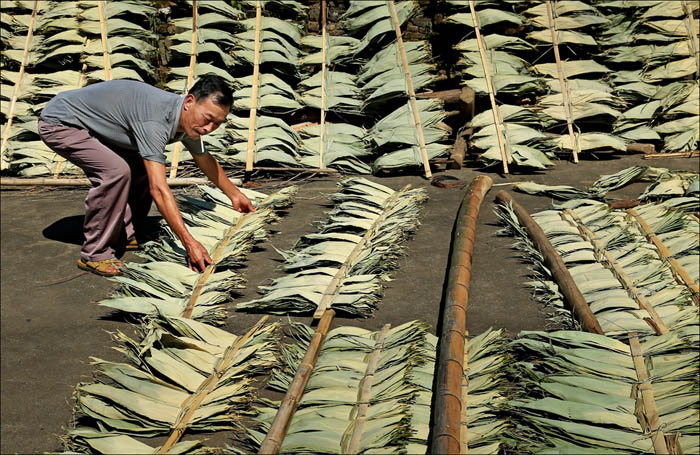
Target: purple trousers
{"x":119,"y":200}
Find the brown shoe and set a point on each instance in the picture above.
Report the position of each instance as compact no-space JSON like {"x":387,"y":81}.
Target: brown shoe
{"x":105,"y":267}
{"x":133,"y":245}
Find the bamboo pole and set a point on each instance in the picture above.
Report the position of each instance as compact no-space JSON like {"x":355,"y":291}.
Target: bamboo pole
{"x":192,"y":403}
{"x":563,"y":83}
{"x":331,"y":290}
{"x":278,"y":429}
{"x":447,"y":424}
{"x":81,"y":81}
{"x":650,"y":410}
{"x":411,"y":92}
{"x":18,"y":83}
{"x":364,"y":394}
{"x":321,"y":165}
{"x":681,"y":275}
{"x":554,"y":262}
{"x":105,"y":44}
{"x":463,"y":430}
{"x":190,"y":78}
{"x":494,"y":108}
{"x":656,"y":322}
{"x":690,"y":25}
{"x":692,"y":154}
{"x":254,"y":93}
{"x":46,"y":181}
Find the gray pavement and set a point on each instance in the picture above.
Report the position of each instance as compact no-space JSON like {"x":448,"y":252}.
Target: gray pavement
{"x":51,"y":326}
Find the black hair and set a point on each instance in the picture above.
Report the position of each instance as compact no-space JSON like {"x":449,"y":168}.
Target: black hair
{"x":210,"y":84}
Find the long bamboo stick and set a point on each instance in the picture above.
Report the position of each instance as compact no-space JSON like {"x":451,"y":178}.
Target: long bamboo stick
{"x":411,"y":92}
{"x":690,"y":25}
{"x":658,"y":324}
{"x":364,"y":394}
{"x":254,"y":93}
{"x":322,"y":134}
{"x":681,"y":275}
{"x":563,"y":83}
{"x":190,"y":77}
{"x":652,"y":156}
{"x":650,"y":409}
{"x":278,"y":429}
{"x":81,"y":81}
{"x":554,"y":262}
{"x":18,"y":83}
{"x":494,"y":107}
{"x":67,"y":181}
{"x":193,"y":402}
{"x":105,"y":44}
{"x":463,"y":430}
{"x":447,"y":436}
{"x":331,"y":290}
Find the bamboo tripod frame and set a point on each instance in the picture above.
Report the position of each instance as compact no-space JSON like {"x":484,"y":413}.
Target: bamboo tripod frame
{"x":411,"y":91}
{"x":321,"y":145}
{"x":254,"y":92}
{"x":192,"y":403}
{"x":190,"y":78}
{"x":18,"y":83}
{"x":494,"y":107}
{"x":656,"y":322}
{"x":563,"y":83}
{"x":450,"y":388}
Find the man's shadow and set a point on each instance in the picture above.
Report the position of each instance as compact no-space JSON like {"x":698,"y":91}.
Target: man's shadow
{"x":70,"y":229}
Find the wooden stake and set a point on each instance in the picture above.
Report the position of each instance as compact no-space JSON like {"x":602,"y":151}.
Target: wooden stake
{"x":190,"y":78}
{"x":411,"y":92}
{"x":81,"y":81}
{"x":105,"y":43}
{"x":193,"y":402}
{"x":321,"y":145}
{"x":364,"y":394}
{"x":681,"y":275}
{"x":18,"y":83}
{"x":690,"y":25}
{"x":278,"y":429}
{"x":330,"y":292}
{"x":447,"y":427}
{"x":657,"y":323}
{"x":563,"y":83}
{"x":650,"y":410}
{"x":494,"y":108}
{"x":254,"y":93}
{"x":554,"y":262}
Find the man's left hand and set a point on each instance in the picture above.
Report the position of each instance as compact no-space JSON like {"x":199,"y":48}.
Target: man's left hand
{"x":241,"y":203}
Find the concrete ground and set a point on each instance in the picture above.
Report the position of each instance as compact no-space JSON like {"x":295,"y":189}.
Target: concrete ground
{"x":51,"y":326}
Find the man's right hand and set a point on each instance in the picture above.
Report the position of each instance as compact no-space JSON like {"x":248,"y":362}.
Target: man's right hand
{"x":197,"y":256}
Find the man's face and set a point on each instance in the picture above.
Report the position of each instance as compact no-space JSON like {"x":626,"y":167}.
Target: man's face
{"x":203,"y":116}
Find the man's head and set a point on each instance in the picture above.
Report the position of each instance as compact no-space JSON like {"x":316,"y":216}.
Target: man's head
{"x":206,"y":106}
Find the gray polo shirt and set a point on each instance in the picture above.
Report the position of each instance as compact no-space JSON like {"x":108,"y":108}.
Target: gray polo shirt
{"x":124,"y":114}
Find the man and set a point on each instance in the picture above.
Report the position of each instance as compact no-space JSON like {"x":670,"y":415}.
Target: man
{"x":116,"y":132}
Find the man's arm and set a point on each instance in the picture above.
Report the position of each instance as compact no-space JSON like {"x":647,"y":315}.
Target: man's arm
{"x":197,"y":255}
{"x":212,"y":169}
